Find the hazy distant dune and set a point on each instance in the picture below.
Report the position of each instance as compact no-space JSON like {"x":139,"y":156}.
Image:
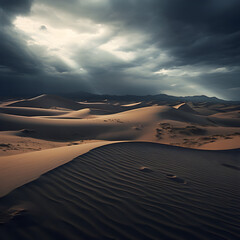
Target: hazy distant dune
{"x":55,"y":102}
{"x":86,"y":124}
{"x":29,"y":111}
{"x":185,"y":107}
{"x":48,"y":101}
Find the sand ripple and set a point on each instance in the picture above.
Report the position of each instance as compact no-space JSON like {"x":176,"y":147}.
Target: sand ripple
{"x":103,"y":195}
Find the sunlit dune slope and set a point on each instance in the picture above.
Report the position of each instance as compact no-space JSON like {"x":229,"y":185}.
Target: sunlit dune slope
{"x":123,"y":125}
{"x":93,"y":128}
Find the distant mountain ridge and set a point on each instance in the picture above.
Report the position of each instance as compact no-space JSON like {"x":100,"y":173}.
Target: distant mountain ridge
{"x":86,"y":96}
{"x":83,"y":96}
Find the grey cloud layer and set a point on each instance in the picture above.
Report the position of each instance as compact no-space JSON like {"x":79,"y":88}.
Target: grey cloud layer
{"x":174,"y":34}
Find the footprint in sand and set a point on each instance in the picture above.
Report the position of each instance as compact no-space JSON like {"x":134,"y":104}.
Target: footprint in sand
{"x":176,"y":178}
{"x":11,"y":213}
{"x":145,"y":169}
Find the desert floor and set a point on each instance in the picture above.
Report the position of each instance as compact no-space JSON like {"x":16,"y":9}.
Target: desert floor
{"x":164,"y":167}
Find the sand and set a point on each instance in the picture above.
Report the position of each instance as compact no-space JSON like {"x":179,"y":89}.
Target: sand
{"x":12,"y":144}
{"x":29,"y":111}
{"x":26,"y":126}
{"x":17,"y":170}
{"x":131,"y":104}
{"x":104,"y":194}
{"x":132,"y":190}
{"x":48,"y":101}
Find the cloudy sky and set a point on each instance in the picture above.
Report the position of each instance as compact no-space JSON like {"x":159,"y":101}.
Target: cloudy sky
{"x":177,"y":47}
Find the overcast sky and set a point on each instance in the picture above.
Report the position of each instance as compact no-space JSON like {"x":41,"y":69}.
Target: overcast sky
{"x":177,"y":47}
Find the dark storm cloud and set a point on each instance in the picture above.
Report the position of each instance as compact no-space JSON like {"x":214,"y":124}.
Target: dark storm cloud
{"x":200,"y":31}
{"x":15,"y":6}
{"x":225,"y":84}
{"x":173,"y":34}
{"x":15,"y":58}
{"x":13,"y":50}
{"x":15,"y":55}
{"x":195,"y":32}
{"x":21,"y":69}
{"x":30,"y":85}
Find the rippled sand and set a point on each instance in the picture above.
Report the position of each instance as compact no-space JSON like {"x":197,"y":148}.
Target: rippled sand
{"x":130,"y":191}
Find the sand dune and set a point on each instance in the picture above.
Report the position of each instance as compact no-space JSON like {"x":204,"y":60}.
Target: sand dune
{"x":232,"y":142}
{"x":153,"y":113}
{"x":94,"y":128}
{"x":78,"y":114}
{"x":48,"y":101}
{"x":227,"y":121}
{"x":133,"y":124}
{"x":102,"y":108}
{"x":58,"y":129}
{"x":187,"y":194}
{"x":231,"y":114}
{"x":184,"y":107}
{"x":12,"y":144}
{"x":27,"y":111}
{"x":179,"y":115}
{"x":19,"y":169}
{"x":131,"y":104}
{"x":121,"y":191}
{"x":55,"y":102}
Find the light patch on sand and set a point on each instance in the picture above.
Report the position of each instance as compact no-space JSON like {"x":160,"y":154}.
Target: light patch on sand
{"x":20,"y":169}
{"x":179,"y":105}
{"x":223,"y":144}
{"x":132,"y":104}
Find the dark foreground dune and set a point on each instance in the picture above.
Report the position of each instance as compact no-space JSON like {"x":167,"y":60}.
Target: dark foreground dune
{"x":130,"y":191}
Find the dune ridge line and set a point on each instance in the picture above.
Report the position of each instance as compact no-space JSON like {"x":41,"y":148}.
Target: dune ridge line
{"x":17,"y":170}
